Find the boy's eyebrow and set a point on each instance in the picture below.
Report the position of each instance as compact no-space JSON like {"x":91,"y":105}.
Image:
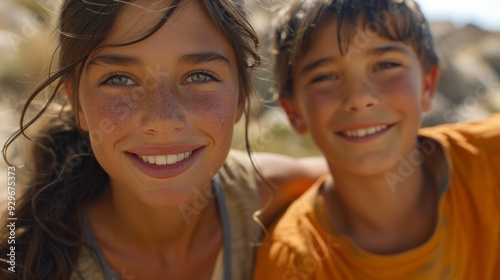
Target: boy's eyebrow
{"x":310,"y":66}
{"x":203,"y":57}
{"x":392,"y":48}
{"x":375,"y":51}
{"x":114,"y":59}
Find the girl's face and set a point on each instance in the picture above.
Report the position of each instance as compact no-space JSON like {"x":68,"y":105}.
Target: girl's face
{"x":160,"y":113}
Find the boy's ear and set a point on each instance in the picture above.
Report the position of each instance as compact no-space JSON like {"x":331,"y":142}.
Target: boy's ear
{"x":293,"y":115}
{"x":82,"y":121}
{"x":430,"y":80}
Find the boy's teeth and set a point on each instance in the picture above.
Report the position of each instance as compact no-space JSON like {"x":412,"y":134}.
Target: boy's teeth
{"x":358,"y":133}
{"x":165,"y":160}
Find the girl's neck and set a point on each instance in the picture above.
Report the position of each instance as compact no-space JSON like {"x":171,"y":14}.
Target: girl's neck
{"x":368,"y":208}
{"x":126,"y":219}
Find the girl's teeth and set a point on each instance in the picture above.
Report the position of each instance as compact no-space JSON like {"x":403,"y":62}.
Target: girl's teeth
{"x":161,"y":160}
{"x":150,"y":159}
{"x":170,"y":159}
{"x":165,"y":160}
{"x":358,"y":133}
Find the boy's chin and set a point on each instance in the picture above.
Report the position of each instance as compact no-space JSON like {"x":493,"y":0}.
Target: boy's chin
{"x":371,"y":167}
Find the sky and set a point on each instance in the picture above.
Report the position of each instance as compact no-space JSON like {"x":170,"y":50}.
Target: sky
{"x":485,"y":13}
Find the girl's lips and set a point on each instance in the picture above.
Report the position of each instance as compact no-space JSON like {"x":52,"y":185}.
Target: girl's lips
{"x":165,"y":159}
{"x":167,"y":170}
{"x":163,"y":150}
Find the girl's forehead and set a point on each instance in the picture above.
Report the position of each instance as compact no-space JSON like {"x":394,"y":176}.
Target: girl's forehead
{"x":188,"y":29}
{"x":137,"y":18}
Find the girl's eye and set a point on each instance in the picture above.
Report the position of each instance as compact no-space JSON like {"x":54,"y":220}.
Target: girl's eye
{"x":201,"y":77}
{"x":118,"y":80}
{"x":386,"y":65}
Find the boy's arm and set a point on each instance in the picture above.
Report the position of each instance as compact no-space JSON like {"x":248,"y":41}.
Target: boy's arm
{"x":290,"y":177}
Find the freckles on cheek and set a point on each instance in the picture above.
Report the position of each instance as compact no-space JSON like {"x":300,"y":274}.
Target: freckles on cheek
{"x":217,"y":109}
{"x":108,"y":114}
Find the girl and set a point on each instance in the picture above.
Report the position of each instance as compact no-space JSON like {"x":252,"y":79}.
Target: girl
{"x":135,"y":181}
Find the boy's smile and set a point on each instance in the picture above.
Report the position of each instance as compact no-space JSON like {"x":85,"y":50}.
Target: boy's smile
{"x":364,"y":132}
{"x":364,"y":108}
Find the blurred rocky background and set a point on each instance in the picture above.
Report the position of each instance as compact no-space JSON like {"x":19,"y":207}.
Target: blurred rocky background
{"x":469,"y":87}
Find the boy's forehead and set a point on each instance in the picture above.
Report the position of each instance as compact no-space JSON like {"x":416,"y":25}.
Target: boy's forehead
{"x":354,"y":41}
{"x":359,"y":37}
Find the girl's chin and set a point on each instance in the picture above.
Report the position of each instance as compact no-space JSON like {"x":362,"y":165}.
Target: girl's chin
{"x":167,"y":198}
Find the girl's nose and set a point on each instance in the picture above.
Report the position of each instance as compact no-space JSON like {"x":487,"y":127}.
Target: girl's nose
{"x":163,"y":111}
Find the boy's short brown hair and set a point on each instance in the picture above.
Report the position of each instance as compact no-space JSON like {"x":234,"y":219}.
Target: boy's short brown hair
{"x":296,"y":25}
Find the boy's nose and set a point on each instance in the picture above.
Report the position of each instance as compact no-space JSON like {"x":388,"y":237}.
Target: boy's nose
{"x":163,"y":112}
{"x":359,"y":98}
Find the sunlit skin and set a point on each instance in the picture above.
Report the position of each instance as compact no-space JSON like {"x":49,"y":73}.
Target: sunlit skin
{"x":160,"y":115}
{"x":161,"y":96}
{"x":176,"y":92}
{"x":363,"y":110}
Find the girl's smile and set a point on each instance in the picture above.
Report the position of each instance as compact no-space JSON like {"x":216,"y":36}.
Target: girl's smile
{"x":152,"y":162}
{"x":164,"y":108}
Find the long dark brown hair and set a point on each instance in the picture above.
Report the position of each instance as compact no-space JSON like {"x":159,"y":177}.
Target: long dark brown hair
{"x":66,"y":176}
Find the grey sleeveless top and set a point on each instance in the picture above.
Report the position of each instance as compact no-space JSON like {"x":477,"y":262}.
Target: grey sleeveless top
{"x":237,"y":199}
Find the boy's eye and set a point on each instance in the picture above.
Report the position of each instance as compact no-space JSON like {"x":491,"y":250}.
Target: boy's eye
{"x":324,"y":77}
{"x":118,"y":80}
{"x":201,"y":77}
{"x":386,"y":65}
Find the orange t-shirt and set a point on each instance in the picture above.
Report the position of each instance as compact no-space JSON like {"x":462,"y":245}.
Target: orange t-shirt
{"x":464,"y":245}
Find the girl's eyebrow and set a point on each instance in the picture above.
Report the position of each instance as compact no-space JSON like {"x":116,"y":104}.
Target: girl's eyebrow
{"x":203,"y":57}
{"x":114,"y":60}
{"x":125,"y":60}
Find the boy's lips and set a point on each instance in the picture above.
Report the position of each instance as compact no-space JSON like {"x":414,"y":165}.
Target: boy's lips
{"x":364,"y":131}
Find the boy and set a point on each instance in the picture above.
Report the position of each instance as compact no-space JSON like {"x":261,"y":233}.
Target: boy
{"x":403,"y":204}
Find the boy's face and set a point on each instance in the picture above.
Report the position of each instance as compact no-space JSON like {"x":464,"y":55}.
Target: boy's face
{"x":363,"y":109}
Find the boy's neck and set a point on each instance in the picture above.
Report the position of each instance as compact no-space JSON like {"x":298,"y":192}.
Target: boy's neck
{"x":381,"y":219}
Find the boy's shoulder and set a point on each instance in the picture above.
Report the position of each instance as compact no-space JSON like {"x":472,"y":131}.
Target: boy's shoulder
{"x":475,"y":137}
{"x":472,"y":152}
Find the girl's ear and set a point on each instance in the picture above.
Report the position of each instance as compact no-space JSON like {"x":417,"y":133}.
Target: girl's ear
{"x":430,"y":81}
{"x":240,"y":106}
{"x":82,"y":121}
{"x":240,"y":109}
{"x":242,"y":98}
{"x":294,"y":115}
